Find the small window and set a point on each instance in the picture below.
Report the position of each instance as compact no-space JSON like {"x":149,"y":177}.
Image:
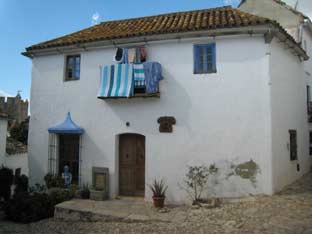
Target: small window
{"x":310,"y":141}
{"x":72,"y":67}
{"x":293,"y":144}
{"x":308,"y":99}
{"x":205,"y":58}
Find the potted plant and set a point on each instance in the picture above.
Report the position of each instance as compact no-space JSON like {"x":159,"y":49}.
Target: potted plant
{"x":159,"y":189}
{"x":85,"y":192}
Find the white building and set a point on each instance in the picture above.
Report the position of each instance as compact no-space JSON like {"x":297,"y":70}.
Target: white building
{"x":297,"y":24}
{"x":3,"y":134}
{"x":233,"y":87}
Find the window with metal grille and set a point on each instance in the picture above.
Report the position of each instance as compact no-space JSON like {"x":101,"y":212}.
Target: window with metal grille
{"x":293,"y":145}
{"x":310,"y":141}
{"x":72,"y":67}
{"x":205,"y":58}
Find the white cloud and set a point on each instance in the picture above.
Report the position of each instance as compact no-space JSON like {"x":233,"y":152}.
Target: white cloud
{"x":231,"y":2}
{"x":95,"y":19}
{"x":4,"y":94}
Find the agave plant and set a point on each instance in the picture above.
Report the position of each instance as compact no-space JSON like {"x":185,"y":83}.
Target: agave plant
{"x":158,"y":188}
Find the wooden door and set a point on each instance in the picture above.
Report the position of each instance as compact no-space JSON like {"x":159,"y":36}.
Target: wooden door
{"x":69,"y":155}
{"x":131,"y":165}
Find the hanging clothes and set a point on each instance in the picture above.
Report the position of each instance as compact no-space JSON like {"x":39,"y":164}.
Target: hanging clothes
{"x":143,"y":54}
{"x":131,"y":55}
{"x":138,"y":75}
{"x":153,"y":74}
{"x":118,"y":55}
{"x":124,"y":55}
{"x":116,"y":81}
{"x":137,"y":55}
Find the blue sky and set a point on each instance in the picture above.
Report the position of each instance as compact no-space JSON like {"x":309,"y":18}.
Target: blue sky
{"x":26,"y":22}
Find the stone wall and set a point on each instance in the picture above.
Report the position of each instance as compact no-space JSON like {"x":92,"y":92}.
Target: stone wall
{"x":15,"y":107}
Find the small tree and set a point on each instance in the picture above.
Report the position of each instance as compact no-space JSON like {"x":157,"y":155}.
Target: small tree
{"x":196,"y":182}
{"x":21,"y":183}
{"x":19,"y":132}
{"x":6,"y":180}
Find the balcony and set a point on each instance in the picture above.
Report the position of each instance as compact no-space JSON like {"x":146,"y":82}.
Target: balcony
{"x":130,"y":81}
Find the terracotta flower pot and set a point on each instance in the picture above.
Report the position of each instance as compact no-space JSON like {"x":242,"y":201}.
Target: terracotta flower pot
{"x":159,"y":202}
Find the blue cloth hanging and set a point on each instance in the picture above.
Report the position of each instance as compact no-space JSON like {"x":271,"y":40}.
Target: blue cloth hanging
{"x":153,"y":74}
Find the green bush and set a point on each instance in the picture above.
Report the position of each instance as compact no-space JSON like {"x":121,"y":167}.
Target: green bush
{"x":37,"y":188}
{"x":6,"y":180}
{"x":53,"y":181}
{"x":58,"y":195}
{"x":21,"y":183}
{"x":27,"y":208}
{"x":85,"y":192}
{"x":19,"y":132}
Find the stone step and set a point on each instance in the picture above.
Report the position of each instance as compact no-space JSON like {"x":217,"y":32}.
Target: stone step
{"x":108,"y":211}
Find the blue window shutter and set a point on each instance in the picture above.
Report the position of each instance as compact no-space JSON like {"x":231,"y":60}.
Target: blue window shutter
{"x":205,"y":58}
{"x":196,"y":59}
{"x":214,"y":60}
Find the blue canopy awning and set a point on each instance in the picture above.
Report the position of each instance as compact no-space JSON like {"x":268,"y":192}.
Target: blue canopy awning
{"x":67,"y":127}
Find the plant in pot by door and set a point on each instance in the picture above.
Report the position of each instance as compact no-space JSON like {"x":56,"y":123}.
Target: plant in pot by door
{"x":85,"y":192}
{"x":159,"y":189}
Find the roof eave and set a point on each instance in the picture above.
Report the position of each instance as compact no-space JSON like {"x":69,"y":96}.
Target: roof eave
{"x":295,"y":48}
{"x":260,"y":29}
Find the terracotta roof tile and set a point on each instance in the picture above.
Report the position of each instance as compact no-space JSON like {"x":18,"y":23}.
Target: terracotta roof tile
{"x":178,"y":22}
{"x":215,"y":18}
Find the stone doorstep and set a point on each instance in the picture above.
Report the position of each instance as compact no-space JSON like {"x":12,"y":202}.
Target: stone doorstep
{"x":66,"y":214}
{"x":69,"y":211}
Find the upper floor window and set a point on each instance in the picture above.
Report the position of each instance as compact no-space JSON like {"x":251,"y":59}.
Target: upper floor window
{"x":293,"y":145}
{"x":205,"y":58}
{"x":310,"y":141}
{"x":72,"y":67}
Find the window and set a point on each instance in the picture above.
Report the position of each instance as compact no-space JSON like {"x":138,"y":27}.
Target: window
{"x":205,"y":58}
{"x":310,"y":140}
{"x":293,"y":144}
{"x":308,"y":98}
{"x":72,"y":67}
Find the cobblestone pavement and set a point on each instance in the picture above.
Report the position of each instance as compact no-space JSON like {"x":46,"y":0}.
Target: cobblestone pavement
{"x":289,"y":212}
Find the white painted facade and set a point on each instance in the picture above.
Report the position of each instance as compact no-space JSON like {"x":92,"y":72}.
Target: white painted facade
{"x":226,"y":118}
{"x":3,"y":134}
{"x":15,"y":161}
{"x":289,"y":111}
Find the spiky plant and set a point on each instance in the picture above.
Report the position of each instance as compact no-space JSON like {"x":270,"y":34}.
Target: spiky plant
{"x":159,"y":188}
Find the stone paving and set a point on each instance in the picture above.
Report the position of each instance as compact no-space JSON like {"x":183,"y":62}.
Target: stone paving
{"x":289,"y":212}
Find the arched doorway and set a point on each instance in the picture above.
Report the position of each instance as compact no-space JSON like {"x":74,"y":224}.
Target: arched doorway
{"x":131,"y":164}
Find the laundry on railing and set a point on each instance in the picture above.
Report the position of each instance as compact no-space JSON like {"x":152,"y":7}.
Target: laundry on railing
{"x":130,"y":55}
{"x":138,"y":76}
{"x":116,"y":81}
{"x":153,"y":74}
{"x":126,"y":80}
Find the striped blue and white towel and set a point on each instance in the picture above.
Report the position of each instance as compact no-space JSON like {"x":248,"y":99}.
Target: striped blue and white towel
{"x":138,"y":75}
{"x":116,"y":81}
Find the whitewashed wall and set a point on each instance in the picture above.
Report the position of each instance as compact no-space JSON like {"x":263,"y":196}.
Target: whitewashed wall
{"x":15,"y":161}
{"x":222,"y":118}
{"x":3,"y":133}
{"x":307,"y":44}
{"x":289,"y":111}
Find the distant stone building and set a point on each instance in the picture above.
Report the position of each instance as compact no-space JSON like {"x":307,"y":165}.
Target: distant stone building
{"x":15,"y":107}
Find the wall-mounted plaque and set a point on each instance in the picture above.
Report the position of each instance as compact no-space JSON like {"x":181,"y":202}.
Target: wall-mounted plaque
{"x":165,"y":123}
